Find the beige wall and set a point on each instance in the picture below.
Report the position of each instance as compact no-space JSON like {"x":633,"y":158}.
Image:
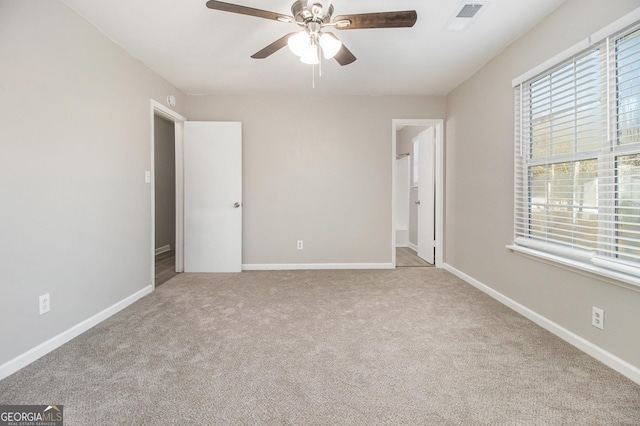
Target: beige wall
{"x":316,"y":169}
{"x":479,"y":191}
{"x":76,"y":213}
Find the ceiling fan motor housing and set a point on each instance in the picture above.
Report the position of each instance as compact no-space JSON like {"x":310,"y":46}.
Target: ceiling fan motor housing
{"x":303,"y":14}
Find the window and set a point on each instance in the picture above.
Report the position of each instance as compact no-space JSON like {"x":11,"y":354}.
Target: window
{"x":577,"y":157}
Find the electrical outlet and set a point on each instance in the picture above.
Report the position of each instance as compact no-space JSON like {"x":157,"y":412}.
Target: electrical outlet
{"x":44,"y":303}
{"x":597,"y":317}
{"x":299,"y":244}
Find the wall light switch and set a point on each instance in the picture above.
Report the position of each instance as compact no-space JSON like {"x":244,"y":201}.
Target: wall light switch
{"x":147,"y":176}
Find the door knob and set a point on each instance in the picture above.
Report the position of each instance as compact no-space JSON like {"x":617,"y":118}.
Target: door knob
{"x":418,"y":202}
{"x":236,"y":204}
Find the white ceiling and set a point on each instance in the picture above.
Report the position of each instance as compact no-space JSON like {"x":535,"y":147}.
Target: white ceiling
{"x":204,"y":51}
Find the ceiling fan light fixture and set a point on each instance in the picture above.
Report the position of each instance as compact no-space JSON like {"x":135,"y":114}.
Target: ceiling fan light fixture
{"x":299,"y":43}
{"x":330,"y":45}
{"x":310,"y":56}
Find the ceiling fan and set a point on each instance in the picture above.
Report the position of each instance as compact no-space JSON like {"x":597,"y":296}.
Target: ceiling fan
{"x":311,"y":40}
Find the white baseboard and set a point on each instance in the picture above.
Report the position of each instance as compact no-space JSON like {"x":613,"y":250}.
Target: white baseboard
{"x":607,"y":358}
{"x":300,"y":266}
{"x":163,"y":249}
{"x":413,"y":246}
{"x":44,"y":348}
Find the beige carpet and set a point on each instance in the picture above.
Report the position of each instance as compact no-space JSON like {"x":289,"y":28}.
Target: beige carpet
{"x":409,"y":346}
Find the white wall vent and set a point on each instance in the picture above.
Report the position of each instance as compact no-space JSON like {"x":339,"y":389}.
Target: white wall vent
{"x":464,"y":15}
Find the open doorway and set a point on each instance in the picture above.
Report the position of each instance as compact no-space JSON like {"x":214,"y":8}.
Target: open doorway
{"x":164,"y":176}
{"x":417,"y":192}
{"x":167,"y":193}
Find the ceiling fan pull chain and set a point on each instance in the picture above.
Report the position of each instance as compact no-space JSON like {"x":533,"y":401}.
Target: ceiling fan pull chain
{"x":313,"y":76}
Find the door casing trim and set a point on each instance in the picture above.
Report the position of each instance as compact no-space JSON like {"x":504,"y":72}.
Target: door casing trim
{"x":438,"y":123}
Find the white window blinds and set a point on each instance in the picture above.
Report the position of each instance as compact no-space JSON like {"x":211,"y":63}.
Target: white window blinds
{"x":577,"y":157}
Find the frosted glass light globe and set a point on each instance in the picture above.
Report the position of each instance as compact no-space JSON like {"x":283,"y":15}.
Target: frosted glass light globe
{"x":330,"y":45}
{"x":299,"y":43}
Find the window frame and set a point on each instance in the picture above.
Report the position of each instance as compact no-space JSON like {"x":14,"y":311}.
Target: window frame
{"x":597,"y":260}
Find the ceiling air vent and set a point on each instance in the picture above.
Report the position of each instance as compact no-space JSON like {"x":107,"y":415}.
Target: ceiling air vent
{"x":464,"y":15}
{"x":469,"y":10}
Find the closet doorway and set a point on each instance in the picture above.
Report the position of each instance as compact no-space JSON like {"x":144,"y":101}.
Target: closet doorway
{"x":167,"y":193}
{"x":165,"y":199}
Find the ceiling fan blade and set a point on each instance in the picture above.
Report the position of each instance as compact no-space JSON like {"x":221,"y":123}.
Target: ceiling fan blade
{"x":344,"y":56}
{"x":401,"y":19}
{"x":244,"y":10}
{"x":272,"y":48}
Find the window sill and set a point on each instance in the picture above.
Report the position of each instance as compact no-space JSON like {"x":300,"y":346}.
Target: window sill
{"x":613,"y":277}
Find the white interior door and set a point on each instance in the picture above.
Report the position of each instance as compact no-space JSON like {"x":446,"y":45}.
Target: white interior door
{"x":212,"y":196}
{"x":426,"y":195}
